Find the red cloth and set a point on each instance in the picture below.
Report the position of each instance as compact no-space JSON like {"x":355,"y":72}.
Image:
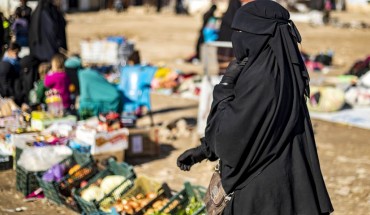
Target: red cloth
{"x":60,"y":82}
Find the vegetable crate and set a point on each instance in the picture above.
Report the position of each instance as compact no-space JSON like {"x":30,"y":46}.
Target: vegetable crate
{"x":80,"y":167}
{"x":26,"y":181}
{"x":113,"y":168}
{"x":162,"y":193}
{"x":189,"y":201}
{"x":6,"y":162}
{"x":167,"y":202}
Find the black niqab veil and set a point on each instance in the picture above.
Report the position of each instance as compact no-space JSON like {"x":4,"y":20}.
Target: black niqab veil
{"x":260,"y":128}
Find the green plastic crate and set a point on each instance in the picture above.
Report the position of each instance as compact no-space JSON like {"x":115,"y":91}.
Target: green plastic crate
{"x":26,"y":181}
{"x":183,"y":198}
{"x":58,"y":192}
{"x":113,"y":168}
{"x":6,"y":162}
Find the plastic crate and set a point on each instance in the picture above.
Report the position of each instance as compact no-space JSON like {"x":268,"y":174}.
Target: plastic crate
{"x":6,"y":162}
{"x":163,"y":193}
{"x":26,"y":181}
{"x":113,"y":168}
{"x":58,"y":192}
{"x":183,"y":199}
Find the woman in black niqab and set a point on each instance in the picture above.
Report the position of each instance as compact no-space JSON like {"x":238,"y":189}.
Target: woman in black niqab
{"x":47,"y":31}
{"x":259,"y":126}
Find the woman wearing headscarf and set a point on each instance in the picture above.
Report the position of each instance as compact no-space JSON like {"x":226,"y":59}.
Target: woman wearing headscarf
{"x":47,"y":31}
{"x":97,"y":95}
{"x":259,"y":126}
{"x":225,"y":55}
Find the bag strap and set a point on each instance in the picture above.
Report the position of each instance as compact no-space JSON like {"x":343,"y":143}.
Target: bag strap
{"x":217,"y":169}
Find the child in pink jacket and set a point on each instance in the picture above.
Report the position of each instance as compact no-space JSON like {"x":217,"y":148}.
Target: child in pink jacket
{"x":57,"y":79}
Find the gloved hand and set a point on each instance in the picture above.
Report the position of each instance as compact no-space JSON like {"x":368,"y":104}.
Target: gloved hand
{"x":233,"y":71}
{"x":190,"y":157}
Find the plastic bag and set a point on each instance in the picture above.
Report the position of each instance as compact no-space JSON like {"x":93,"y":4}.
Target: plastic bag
{"x":365,"y":79}
{"x":38,"y":159}
{"x":358,"y":96}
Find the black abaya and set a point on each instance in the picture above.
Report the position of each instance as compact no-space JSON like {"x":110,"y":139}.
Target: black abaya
{"x":47,"y":31}
{"x":10,"y":85}
{"x":29,"y":74}
{"x":260,"y":127}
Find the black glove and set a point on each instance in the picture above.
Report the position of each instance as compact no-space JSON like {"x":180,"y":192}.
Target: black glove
{"x":233,"y":71}
{"x":190,"y":157}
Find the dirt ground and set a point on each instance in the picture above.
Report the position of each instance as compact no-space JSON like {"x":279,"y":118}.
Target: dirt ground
{"x":344,"y":151}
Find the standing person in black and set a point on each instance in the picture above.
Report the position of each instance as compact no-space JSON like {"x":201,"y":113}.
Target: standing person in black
{"x":28,"y":74}
{"x":259,"y":126}
{"x":24,"y":11}
{"x":206,"y":16}
{"x":225,"y":55}
{"x":47,"y":31}
{"x":10,"y":84}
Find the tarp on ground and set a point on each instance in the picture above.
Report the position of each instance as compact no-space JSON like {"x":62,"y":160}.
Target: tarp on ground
{"x":357,"y":117}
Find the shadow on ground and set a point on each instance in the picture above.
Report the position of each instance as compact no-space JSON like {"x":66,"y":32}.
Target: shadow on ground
{"x":164,"y":151}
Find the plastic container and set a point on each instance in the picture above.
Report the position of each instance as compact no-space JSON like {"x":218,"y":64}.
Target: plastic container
{"x":26,"y":182}
{"x":113,"y":168}
{"x":61,"y":192}
{"x":6,"y":162}
{"x":177,"y":202}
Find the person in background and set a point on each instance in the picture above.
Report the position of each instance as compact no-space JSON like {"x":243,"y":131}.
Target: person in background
{"x":179,"y":7}
{"x":11,"y":56}
{"x":8,"y":77}
{"x":10,"y":83}
{"x":225,"y":55}
{"x":72,"y":66}
{"x":20,"y":30}
{"x":6,"y":34}
{"x":2,"y":32}
{"x":206,"y":16}
{"x":97,"y":95}
{"x":28,"y":74}
{"x":37,"y":95}
{"x":47,"y":33}
{"x":58,"y":80}
{"x":23,"y":11}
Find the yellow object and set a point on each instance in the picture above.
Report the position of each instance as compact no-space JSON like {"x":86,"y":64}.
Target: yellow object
{"x":162,"y":73}
{"x":39,"y":115}
{"x":6,"y":24}
{"x":74,"y":169}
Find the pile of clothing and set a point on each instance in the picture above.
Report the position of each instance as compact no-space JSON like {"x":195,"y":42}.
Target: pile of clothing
{"x":359,"y":94}
{"x":320,"y":62}
{"x":169,"y":82}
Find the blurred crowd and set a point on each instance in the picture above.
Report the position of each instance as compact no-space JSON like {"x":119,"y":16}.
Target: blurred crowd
{"x":31,"y":43}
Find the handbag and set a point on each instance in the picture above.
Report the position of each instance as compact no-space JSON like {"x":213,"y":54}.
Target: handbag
{"x":216,"y":198}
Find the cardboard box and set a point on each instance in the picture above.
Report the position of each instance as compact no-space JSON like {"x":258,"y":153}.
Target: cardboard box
{"x":102,"y":142}
{"x":101,"y":157}
{"x":41,"y":124}
{"x":143,"y":142}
